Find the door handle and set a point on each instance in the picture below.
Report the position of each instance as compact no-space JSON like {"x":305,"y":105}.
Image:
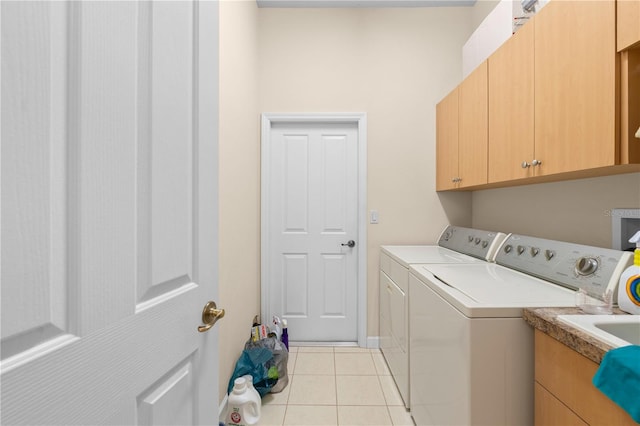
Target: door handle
{"x":349,"y":243}
{"x":210,"y":315}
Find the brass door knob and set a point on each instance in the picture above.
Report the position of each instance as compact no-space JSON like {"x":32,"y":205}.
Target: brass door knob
{"x":210,"y":315}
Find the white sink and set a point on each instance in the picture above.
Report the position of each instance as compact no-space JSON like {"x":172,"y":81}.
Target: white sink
{"x":615,"y":330}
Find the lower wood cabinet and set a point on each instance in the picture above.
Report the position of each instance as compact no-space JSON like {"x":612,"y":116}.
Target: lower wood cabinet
{"x":564,"y":392}
{"x":551,"y":411}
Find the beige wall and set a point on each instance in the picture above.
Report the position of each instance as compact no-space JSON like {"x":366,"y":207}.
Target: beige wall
{"x":393,"y":64}
{"x":480,"y":11}
{"x":576,"y":211}
{"x":239,"y":242}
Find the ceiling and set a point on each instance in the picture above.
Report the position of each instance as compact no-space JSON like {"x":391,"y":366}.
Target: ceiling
{"x":364,"y":3}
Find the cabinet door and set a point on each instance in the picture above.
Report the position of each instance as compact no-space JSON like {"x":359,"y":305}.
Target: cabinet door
{"x":567,"y":375}
{"x":473,"y":128}
{"x":575,"y":86}
{"x":628,"y":23}
{"x":447,"y":142}
{"x":550,"y":411}
{"x":511,"y":108}
{"x":630,"y":106}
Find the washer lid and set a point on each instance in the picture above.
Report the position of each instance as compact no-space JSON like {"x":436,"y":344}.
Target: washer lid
{"x":407,"y":255}
{"x":490,"y":290}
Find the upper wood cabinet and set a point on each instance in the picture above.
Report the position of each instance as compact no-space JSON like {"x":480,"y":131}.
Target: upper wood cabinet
{"x":461,"y":134}
{"x":447,"y":142}
{"x":628,"y":24}
{"x":473,"y":128}
{"x":511,"y":141}
{"x":630,"y":101}
{"x":576,"y":96}
{"x":556,"y":101}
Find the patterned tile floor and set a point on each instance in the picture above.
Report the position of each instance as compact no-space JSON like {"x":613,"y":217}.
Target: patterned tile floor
{"x":336,"y":386}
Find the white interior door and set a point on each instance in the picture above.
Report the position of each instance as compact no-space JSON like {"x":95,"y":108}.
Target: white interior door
{"x":313,"y":214}
{"x":109,"y":212}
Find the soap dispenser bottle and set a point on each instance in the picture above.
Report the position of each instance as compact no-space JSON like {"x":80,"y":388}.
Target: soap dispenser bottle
{"x":629,"y":285}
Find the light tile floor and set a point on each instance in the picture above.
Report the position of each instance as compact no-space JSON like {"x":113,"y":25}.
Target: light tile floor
{"x":336,"y":386}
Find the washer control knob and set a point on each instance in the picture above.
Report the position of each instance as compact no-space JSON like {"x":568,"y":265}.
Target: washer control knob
{"x":470,"y":238}
{"x":477,"y":240}
{"x":549,"y":254}
{"x":521,"y":249}
{"x":586,"y":266}
{"x":534,"y":251}
{"x":508,"y":248}
{"x":485,"y":244}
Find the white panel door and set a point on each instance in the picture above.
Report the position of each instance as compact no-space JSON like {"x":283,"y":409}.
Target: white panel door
{"x":109,"y":212}
{"x":313,"y":213}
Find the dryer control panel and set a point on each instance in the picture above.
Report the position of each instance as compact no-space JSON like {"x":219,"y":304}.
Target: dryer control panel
{"x":593,"y":269}
{"x":472,"y":242}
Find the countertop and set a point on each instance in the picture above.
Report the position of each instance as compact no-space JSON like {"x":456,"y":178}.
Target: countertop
{"x":544,"y":319}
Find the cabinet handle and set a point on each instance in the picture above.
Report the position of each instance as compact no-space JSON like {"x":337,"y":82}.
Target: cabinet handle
{"x":536,"y":163}
{"x":525,"y":164}
{"x":456,"y":179}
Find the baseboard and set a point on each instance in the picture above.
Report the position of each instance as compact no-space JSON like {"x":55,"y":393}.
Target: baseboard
{"x":373,"y":342}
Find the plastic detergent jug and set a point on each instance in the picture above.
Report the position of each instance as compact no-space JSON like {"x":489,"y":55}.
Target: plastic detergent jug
{"x":244,"y":407}
{"x":249,"y":379}
{"x":629,"y":285}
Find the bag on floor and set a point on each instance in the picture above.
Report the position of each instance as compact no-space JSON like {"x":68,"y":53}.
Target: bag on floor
{"x":260,"y":364}
{"x":280,"y":358}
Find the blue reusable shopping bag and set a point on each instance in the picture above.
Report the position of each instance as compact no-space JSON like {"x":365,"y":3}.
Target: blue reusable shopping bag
{"x":259,"y":363}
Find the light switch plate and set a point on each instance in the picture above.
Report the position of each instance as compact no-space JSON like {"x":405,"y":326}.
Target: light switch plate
{"x":373,"y":217}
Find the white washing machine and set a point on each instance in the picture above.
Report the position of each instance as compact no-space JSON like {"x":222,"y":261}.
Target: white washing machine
{"x":471,"y":353}
{"x":456,"y":245}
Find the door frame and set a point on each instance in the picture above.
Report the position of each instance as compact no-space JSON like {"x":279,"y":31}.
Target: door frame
{"x":360,"y":120}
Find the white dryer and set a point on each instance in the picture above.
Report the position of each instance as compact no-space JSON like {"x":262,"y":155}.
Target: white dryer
{"x":456,"y":245}
{"x":472,"y":354}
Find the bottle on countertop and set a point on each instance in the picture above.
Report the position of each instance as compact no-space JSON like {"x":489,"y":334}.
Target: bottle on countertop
{"x":629,"y":285}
